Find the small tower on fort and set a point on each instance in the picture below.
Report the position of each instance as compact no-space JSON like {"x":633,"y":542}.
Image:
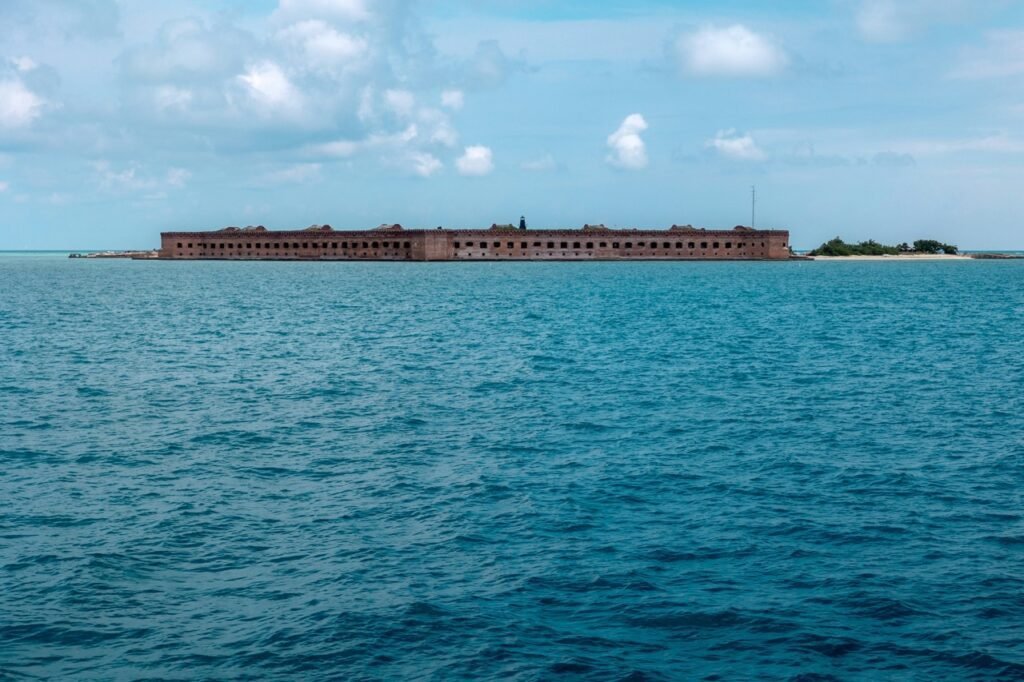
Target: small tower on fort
{"x":522,"y":222}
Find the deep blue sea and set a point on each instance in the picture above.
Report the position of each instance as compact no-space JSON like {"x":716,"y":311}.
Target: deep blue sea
{"x":525,"y":471}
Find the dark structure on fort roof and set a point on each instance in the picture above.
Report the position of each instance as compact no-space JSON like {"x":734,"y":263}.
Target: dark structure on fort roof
{"x":500,"y":242}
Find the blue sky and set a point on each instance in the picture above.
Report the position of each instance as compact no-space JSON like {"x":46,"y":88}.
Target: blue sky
{"x":885,"y":119}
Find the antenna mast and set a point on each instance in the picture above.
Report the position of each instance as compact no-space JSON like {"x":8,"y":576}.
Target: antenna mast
{"x":753,"y":205}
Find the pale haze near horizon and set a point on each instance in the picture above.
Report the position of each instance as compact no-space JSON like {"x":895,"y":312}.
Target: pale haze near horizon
{"x":884,"y":119}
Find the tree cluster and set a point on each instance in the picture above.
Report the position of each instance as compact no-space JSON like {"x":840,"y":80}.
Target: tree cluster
{"x":837,"y":247}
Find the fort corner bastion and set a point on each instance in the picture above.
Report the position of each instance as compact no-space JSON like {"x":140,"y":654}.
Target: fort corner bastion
{"x":497,"y":243}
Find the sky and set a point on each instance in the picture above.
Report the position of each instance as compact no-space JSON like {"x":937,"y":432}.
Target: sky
{"x":891,"y":120}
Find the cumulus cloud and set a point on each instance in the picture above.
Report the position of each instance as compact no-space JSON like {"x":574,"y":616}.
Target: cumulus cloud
{"x":19,"y":106}
{"x":452,"y":99}
{"x":732,"y":145}
{"x":730,"y":51}
{"x":476,"y":160}
{"x":134,"y":179}
{"x":316,"y":81}
{"x":268,"y":85}
{"x":400,"y":102}
{"x":438,"y":127}
{"x":188,"y":50}
{"x":4,"y":186}
{"x":407,"y":149}
{"x":627,"y":147}
{"x":490,"y":67}
{"x":343,"y":10}
{"x":19,"y":103}
{"x":323,"y":48}
{"x":24,"y":64}
{"x":170,"y":97}
{"x":423,"y":164}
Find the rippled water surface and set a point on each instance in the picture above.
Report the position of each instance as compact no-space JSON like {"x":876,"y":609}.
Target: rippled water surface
{"x":600,"y":471}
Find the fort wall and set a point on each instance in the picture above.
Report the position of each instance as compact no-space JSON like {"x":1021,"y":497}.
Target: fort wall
{"x":397,"y":244}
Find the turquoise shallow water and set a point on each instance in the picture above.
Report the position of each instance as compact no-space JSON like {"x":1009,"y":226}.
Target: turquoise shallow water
{"x":592,"y":471}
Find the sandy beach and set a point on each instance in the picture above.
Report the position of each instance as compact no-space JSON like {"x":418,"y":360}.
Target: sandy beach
{"x":902,"y":257}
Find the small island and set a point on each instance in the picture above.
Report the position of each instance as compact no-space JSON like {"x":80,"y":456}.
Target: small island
{"x":837,"y":248}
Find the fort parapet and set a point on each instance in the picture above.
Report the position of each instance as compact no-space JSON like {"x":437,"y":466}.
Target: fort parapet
{"x":504,"y":242}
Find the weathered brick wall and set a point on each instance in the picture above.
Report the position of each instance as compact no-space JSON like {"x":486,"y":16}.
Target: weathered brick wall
{"x":478,"y":245}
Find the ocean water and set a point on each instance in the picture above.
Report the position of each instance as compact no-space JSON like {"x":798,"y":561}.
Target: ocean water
{"x":525,"y":471}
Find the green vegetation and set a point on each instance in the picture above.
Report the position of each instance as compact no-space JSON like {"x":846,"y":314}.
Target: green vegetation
{"x":837,"y":247}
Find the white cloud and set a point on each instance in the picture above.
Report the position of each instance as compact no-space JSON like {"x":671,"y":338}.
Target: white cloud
{"x":170,"y":97}
{"x":324,"y":48}
{"x":345,"y":10}
{"x":476,"y":160}
{"x":889,"y":21}
{"x":423,"y":164}
{"x":4,"y":186}
{"x":732,"y":145}
{"x":401,"y":102}
{"x":296,"y":174}
{"x":177,"y":177}
{"x":627,"y":147}
{"x":452,"y":99}
{"x":540,"y":165}
{"x":881,"y":21}
{"x":132,"y":179}
{"x":731,"y":51}
{"x":19,"y":106}
{"x":1001,"y":56}
{"x":438,"y":126}
{"x":24,"y":64}
{"x":268,"y":85}
{"x":188,"y":50}
{"x":341,"y":149}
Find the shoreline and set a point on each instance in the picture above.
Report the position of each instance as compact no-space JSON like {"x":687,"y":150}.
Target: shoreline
{"x":901,"y":257}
